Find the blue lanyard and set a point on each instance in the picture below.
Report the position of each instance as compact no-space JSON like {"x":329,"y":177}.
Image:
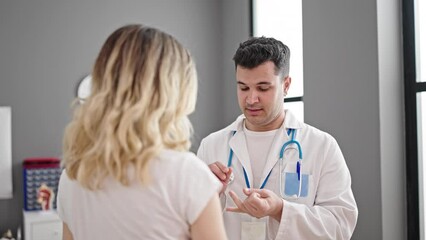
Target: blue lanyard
{"x":289,"y":131}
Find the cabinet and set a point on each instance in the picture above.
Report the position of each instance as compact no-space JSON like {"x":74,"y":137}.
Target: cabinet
{"x":42,"y":225}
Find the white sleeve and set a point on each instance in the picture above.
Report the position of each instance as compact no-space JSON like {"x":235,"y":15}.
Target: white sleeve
{"x":61,"y":200}
{"x":204,"y":157}
{"x":201,"y":185}
{"x":334,"y":213}
{"x":201,"y":151}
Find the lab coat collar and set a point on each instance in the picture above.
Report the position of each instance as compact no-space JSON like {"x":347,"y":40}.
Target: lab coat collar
{"x":290,"y":121}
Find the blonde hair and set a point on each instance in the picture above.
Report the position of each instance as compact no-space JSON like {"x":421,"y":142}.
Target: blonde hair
{"x":144,"y":87}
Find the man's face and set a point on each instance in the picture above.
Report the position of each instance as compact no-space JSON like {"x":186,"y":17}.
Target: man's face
{"x":261,"y":96}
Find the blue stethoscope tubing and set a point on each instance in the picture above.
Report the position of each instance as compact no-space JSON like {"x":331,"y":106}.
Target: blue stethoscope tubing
{"x":291,"y":132}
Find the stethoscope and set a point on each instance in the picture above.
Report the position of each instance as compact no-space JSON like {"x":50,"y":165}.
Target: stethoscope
{"x":291,"y":132}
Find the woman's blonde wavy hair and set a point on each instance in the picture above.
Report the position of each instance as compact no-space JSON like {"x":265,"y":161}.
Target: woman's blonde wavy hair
{"x":144,"y":87}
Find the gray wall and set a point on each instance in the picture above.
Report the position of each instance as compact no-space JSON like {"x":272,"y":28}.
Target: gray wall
{"x":342,"y":94}
{"x":353,"y":89}
{"x":352,"y":69}
{"x":47,"y":46}
{"x":236,"y":29}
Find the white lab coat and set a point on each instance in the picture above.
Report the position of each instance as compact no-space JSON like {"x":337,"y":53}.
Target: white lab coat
{"x":328,"y":211}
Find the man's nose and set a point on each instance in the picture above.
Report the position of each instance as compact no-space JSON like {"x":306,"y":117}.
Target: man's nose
{"x":252,"y":98}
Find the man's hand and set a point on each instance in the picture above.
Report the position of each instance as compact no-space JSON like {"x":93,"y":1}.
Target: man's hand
{"x":259,"y":203}
{"x":222,"y":172}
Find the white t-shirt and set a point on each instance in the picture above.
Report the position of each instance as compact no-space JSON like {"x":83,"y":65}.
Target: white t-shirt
{"x":180,"y":189}
{"x":259,"y":146}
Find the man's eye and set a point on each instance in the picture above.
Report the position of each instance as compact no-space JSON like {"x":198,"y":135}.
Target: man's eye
{"x":243,"y":88}
{"x":263,"y":89}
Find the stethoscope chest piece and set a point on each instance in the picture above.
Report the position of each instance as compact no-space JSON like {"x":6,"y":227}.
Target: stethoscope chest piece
{"x":231,"y":178}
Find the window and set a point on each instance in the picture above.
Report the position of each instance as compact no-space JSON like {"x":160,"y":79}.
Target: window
{"x":268,"y":20}
{"x":414,"y":36}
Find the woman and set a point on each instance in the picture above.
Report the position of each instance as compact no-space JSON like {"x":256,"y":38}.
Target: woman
{"x":128,"y":173}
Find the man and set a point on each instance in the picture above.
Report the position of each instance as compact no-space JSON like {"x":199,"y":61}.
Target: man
{"x":288,"y":180}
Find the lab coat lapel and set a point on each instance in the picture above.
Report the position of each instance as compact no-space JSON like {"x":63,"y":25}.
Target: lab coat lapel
{"x":238,"y":144}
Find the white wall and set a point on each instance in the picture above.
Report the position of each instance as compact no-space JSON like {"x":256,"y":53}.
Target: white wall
{"x":391,"y":101}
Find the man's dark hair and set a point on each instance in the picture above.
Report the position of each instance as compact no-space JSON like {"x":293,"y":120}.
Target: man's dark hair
{"x":258,"y":50}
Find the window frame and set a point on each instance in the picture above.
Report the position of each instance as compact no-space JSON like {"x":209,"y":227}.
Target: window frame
{"x":411,"y":88}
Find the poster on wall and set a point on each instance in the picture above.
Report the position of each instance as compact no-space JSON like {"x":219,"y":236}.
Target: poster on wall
{"x":6,"y":190}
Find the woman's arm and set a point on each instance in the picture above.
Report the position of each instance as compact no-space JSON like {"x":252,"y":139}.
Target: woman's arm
{"x":209,"y":225}
{"x":66,"y":233}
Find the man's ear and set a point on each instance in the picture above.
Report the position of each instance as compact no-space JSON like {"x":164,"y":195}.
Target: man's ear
{"x":286,"y":85}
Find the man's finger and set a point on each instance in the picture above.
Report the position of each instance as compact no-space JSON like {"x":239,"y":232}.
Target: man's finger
{"x":262,"y":193}
{"x":237,"y":201}
{"x":234,"y":209}
{"x":222,"y":167}
{"x":242,"y":207}
{"x":217,"y":171}
{"x":251,"y":206}
{"x":254,"y":200}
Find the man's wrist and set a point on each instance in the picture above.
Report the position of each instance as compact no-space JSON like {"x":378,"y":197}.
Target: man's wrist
{"x":279,"y":211}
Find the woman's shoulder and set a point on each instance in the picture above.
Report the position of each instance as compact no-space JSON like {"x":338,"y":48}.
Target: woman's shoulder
{"x":187,"y":164}
{"x":174,"y":154}
{"x":180,"y":159}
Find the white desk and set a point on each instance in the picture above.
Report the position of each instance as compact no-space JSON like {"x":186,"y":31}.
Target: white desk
{"x":42,"y":225}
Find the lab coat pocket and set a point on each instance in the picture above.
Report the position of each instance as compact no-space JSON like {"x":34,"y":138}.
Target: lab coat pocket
{"x":294,"y":187}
